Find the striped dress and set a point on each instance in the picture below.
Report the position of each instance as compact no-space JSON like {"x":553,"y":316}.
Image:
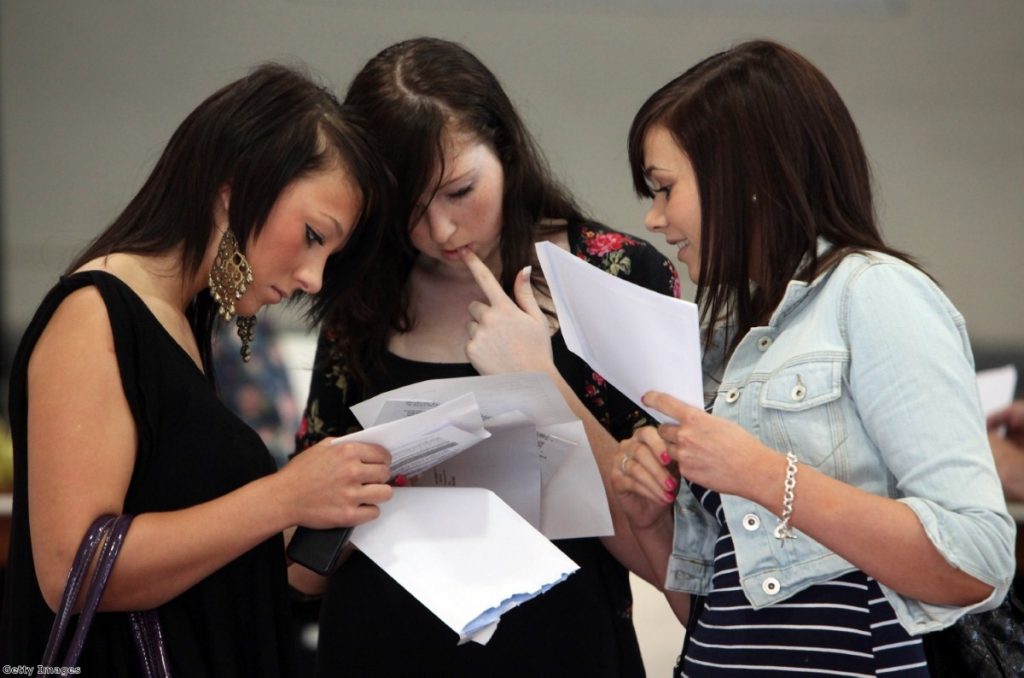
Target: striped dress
{"x":843,"y":627}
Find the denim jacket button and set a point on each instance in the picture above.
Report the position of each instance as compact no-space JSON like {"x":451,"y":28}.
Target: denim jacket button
{"x":763,"y":343}
{"x":798,"y":392}
{"x":732,"y":396}
{"x":771,"y":586}
{"x":751,"y":522}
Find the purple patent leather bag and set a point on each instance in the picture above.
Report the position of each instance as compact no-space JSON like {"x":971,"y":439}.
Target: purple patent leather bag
{"x":106,"y":534}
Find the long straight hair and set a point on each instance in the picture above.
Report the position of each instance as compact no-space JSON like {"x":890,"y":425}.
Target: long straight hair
{"x":416,"y":94}
{"x":779,"y":163}
{"x":255,"y":135}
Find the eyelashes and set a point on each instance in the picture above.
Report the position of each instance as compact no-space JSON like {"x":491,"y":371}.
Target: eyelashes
{"x":461,"y":193}
{"x":313,"y":237}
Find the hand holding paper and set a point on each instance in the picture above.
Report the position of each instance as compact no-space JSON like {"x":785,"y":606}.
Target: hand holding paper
{"x":416,"y":443}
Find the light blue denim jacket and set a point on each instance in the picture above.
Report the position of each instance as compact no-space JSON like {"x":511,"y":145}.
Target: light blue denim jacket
{"x":866,"y":374}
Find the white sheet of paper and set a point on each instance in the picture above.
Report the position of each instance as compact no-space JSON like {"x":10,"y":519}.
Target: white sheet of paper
{"x":996,"y":388}
{"x":416,"y":443}
{"x":637,"y":339}
{"x":463,"y":553}
{"x":507,"y":463}
{"x":573,"y":501}
{"x":531,"y":393}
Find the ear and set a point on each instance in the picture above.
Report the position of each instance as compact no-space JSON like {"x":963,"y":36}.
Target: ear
{"x":224,"y":195}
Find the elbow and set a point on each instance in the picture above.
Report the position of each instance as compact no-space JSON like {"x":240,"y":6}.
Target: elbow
{"x":51,"y":586}
{"x":972,"y":592}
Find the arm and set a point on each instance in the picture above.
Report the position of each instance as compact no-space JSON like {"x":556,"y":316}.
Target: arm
{"x":82,"y":444}
{"x":641,"y":499}
{"x":849,"y":521}
{"x":919,"y":407}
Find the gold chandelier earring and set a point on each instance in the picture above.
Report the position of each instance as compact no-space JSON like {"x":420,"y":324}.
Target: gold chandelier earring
{"x":230,"y":277}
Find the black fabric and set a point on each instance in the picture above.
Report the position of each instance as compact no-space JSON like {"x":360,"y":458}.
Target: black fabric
{"x":191,"y":450}
{"x":370,"y":626}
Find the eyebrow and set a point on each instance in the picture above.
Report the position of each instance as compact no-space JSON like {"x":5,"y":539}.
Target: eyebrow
{"x":337,"y":224}
{"x":338,"y":229}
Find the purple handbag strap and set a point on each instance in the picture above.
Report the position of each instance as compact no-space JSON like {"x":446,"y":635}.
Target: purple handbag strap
{"x":109,"y":533}
{"x":79,"y":568}
{"x":149,"y":641}
{"x":104,"y":565}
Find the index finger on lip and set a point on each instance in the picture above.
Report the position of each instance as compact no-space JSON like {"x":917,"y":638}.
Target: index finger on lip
{"x":483,"y":276}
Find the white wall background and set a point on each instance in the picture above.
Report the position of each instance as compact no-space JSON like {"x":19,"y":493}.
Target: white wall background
{"x":91,"y":90}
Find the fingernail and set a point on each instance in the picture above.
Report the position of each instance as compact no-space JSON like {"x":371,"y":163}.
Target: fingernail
{"x":670,"y":483}
{"x":669,"y":497}
{"x":665,"y":458}
{"x":400,"y":480}
{"x":527,"y":270}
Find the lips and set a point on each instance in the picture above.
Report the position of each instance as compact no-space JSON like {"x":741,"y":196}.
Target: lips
{"x":453,"y":253}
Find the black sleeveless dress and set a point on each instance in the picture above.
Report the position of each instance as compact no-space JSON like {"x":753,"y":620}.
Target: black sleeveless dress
{"x":191,"y":449}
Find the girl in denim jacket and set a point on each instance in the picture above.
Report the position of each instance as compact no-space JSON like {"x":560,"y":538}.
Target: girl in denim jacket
{"x":840,"y":499}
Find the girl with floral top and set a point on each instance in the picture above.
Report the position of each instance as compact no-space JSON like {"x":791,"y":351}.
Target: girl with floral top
{"x":475,"y":196}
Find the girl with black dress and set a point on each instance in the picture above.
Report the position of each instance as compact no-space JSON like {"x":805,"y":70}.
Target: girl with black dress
{"x":262,"y":193}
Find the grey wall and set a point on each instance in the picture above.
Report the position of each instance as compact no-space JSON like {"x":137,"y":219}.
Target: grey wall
{"x":90,"y":91}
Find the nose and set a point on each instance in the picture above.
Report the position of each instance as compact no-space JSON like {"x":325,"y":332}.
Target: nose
{"x":311,"y":276}
{"x":439,"y":224}
{"x":655,"y":217}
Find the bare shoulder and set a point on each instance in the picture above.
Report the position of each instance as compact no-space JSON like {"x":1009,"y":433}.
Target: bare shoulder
{"x":77,"y":347}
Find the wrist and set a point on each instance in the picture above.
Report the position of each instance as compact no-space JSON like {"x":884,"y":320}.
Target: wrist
{"x":770,"y":487}
{"x":273,"y":498}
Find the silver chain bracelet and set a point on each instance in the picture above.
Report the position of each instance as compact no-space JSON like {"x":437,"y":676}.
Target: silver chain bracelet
{"x":783,"y":530}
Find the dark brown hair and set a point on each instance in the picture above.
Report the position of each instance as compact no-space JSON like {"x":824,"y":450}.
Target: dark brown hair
{"x":779,"y":163}
{"x":414,"y":93}
{"x":256,"y":135}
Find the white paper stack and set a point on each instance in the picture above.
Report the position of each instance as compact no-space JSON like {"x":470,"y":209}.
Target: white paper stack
{"x":538,"y":459}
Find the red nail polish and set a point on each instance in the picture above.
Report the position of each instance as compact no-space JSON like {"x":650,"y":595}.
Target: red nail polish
{"x":669,"y":498}
{"x":670,"y":483}
{"x":400,"y":481}
{"x":665,"y":458}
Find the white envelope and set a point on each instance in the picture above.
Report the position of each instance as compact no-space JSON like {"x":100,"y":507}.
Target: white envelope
{"x":463,"y":553}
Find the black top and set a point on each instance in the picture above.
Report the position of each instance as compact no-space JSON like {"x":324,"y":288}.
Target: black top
{"x":191,"y":450}
{"x":370,"y":626}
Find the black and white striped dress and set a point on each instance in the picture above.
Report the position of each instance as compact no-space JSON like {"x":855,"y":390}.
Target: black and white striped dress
{"x":844,"y":627}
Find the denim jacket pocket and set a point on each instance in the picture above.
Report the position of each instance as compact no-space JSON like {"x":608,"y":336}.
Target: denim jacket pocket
{"x":802,"y":409}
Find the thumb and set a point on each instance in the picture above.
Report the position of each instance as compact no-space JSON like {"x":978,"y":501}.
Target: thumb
{"x":524,"y":295}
